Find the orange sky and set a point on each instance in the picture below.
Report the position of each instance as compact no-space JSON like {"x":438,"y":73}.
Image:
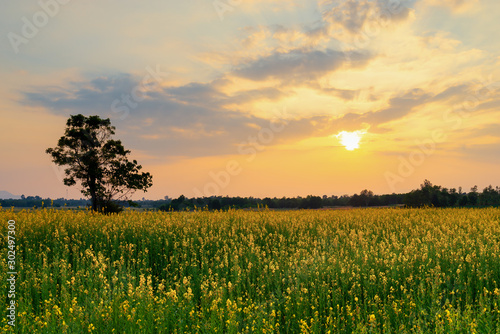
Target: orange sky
{"x":215,"y":98}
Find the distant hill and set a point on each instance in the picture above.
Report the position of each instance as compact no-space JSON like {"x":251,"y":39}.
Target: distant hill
{"x":8,"y":195}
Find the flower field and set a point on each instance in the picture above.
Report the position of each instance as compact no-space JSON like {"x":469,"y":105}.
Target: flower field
{"x":324,"y":271}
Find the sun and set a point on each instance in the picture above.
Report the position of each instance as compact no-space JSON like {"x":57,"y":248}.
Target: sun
{"x":350,"y":139}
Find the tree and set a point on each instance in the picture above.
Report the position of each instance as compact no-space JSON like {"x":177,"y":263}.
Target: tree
{"x":463,"y":200}
{"x":415,"y":199}
{"x":473,"y":196}
{"x":489,"y":197}
{"x":98,"y":163}
{"x":366,"y":196}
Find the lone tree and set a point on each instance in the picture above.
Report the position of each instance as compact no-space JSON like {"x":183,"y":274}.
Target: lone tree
{"x":98,"y":162}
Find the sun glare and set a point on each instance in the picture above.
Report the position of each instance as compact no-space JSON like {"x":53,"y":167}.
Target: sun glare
{"x":350,"y":139}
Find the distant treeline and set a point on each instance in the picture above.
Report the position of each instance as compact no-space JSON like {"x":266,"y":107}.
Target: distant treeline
{"x":437,"y":196}
{"x":38,"y":202}
{"x":427,"y":195}
{"x":309,"y":202}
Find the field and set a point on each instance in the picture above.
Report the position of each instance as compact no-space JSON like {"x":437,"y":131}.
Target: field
{"x":327,"y":271}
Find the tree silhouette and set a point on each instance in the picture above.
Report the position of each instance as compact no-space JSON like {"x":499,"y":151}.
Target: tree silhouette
{"x":473,"y":196}
{"x":98,"y":162}
{"x":366,"y":196}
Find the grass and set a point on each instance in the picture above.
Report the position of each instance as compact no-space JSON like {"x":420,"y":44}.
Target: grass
{"x":326,"y":271}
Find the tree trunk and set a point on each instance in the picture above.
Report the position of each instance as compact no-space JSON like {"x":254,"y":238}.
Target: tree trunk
{"x":93,"y":194}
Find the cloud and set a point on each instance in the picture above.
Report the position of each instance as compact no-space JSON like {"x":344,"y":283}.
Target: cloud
{"x":196,"y":93}
{"x":189,"y":120}
{"x":345,"y":94}
{"x":299,"y":64}
{"x":198,"y":119}
{"x":399,"y":107}
{"x":193,"y":120}
{"x":453,"y":93}
{"x":492,"y":130}
{"x":249,"y":96}
{"x":211,"y":94}
{"x":96,"y":94}
{"x":356,"y":15}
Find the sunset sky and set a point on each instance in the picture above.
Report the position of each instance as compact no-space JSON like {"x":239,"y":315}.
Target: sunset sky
{"x":254,"y":98}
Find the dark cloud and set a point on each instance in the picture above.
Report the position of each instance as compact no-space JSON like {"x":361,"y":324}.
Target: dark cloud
{"x":209,"y":94}
{"x":472,"y":96}
{"x":344,"y":94}
{"x":399,"y":107}
{"x":316,"y":32}
{"x":299,"y":64}
{"x":454,"y":92}
{"x":179,"y":121}
{"x":491,"y":104}
{"x":196,"y":93}
{"x":267,"y":93}
{"x":94,"y":95}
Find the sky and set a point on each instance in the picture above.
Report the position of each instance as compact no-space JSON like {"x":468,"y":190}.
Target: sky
{"x":257,"y":98}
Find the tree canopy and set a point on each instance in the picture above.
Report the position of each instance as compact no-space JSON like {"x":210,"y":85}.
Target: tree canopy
{"x":98,"y":162}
